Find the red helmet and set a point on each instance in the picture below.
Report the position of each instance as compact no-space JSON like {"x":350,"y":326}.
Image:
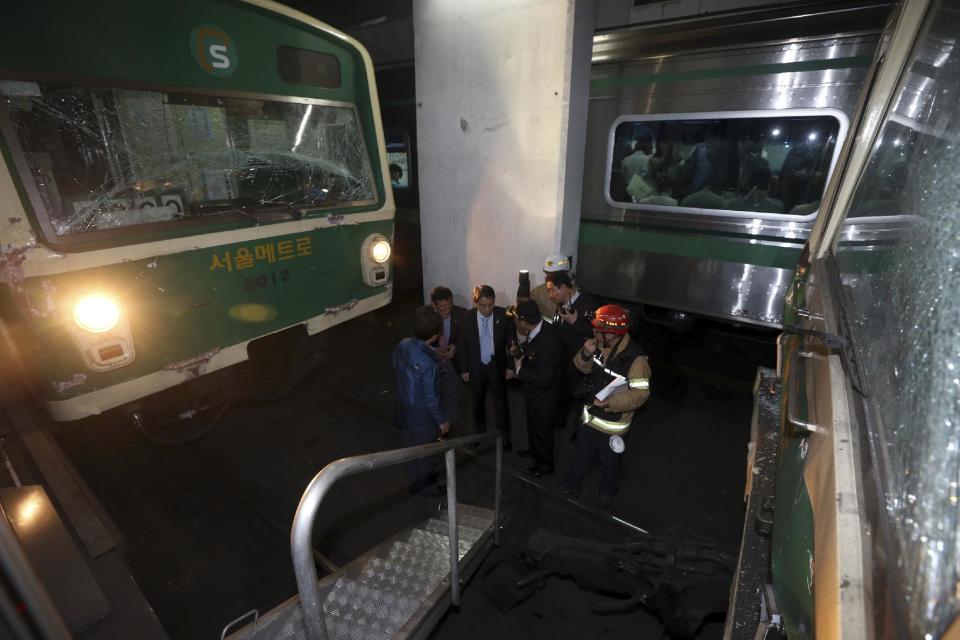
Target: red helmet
{"x":611,"y":318}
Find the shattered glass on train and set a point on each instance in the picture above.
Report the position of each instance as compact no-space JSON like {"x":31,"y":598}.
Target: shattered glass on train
{"x":899,"y":258}
{"x":108,"y":158}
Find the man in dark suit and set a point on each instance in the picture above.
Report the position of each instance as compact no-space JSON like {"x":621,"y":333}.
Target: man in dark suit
{"x":483,"y":360}
{"x":537,"y":366}
{"x":448,"y":379}
{"x":573,"y":309}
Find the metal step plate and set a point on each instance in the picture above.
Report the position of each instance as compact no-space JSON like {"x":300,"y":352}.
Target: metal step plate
{"x":397,"y":590}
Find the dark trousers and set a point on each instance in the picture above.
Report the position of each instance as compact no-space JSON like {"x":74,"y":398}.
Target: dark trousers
{"x":594,"y":444}
{"x":570,"y":382}
{"x":449,"y":382}
{"x":541,"y":412}
{"x":421,"y":473}
{"x":488,"y":377}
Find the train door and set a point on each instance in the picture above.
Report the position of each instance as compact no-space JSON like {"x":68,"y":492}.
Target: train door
{"x":865,"y":538}
{"x":408,"y":264}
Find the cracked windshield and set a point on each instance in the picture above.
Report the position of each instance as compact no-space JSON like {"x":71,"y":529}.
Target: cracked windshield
{"x":107,"y":158}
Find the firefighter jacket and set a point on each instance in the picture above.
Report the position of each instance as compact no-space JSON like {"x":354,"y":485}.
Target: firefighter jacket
{"x":625,"y":359}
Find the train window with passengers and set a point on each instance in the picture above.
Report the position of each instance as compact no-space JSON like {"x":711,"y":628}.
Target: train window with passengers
{"x":756,"y":164}
{"x":110,"y":158}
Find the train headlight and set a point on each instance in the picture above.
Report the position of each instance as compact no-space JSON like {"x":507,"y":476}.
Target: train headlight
{"x":96,"y":313}
{"x":374,"y":259}
{"x":380,"y":251}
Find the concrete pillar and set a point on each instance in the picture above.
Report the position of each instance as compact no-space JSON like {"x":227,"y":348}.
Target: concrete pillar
{"x":502,"y":92}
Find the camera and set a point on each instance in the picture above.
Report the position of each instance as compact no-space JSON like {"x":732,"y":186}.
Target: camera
{"x":520,"y":346}
{"x":566,"y":309}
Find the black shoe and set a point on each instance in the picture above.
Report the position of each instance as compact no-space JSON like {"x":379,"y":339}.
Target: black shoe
{"x":525,"y":453}
{"x":546,"y":471}
{"x":507,"y":446}
{"x":570,"y":493}
{"x":533,"y":472}
{"x":604,"y":501}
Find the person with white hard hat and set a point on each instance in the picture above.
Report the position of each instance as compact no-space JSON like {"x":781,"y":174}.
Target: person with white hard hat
{"x":553,"y":263}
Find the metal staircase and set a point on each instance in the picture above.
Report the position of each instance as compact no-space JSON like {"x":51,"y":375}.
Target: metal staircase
{"x":398,"y":589}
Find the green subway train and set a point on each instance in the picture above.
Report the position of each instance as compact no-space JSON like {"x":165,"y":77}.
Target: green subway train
{"x":196,"y":179}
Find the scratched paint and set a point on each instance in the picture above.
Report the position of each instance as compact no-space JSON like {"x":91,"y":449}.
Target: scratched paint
{"x":195,"y":366}
{"x":332,"y":311}
{"x":65,"y":385}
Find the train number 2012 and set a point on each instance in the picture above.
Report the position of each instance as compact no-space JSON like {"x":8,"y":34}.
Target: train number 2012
{"x":266,"y":280}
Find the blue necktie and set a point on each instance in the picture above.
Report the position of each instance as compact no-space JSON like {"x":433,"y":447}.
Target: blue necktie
{"x":486,"y":342}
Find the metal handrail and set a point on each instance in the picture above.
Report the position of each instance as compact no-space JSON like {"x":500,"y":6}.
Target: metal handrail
{"x":27,"y":587}
{"x":301,"y":536}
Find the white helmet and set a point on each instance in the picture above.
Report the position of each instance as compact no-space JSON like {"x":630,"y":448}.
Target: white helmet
{"x":556,"y":262}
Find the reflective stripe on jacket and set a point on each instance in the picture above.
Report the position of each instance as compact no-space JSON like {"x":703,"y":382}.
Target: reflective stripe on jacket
{"x":624,"y":359}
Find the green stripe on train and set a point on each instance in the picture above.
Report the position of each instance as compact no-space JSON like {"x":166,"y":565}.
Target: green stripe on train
{"x":691,"y":244}
{"x":792,"y":545}
{"x":183,"y":305}
{"x":732,"y":72}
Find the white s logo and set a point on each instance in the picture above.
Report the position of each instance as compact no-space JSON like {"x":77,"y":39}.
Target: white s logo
{"x":218,"y":53}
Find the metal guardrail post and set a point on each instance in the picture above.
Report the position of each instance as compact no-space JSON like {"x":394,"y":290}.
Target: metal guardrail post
{"x":301,"y":534}
{"x":452,"y":537}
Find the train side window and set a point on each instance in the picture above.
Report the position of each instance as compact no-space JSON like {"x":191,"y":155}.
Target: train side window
{"x":897,"y":259}
{"x":301,"y":66}
{"x":96,"y":160}
{"x":745,"y":164}
{"x":398,"y":157}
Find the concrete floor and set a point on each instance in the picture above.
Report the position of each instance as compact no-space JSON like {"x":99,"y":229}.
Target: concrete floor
{"x":207,"y":524}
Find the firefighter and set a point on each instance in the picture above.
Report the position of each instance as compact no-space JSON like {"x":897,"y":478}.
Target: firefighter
{"x":619,"y":383}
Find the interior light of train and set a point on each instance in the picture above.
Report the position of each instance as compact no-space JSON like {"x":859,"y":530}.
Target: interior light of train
{"x":380,"y":251}
{"x":775,"y":133}
{"x":812,"y":136}
{"x":96,"y":313}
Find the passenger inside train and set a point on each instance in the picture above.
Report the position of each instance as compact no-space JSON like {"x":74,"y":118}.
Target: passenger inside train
{"x":762,"y":165}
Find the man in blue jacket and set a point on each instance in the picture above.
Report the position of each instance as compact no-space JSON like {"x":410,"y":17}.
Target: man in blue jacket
{"x":417,"y":408}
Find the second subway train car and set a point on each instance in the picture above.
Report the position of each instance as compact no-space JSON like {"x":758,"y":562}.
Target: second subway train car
{"x":708,"y":148}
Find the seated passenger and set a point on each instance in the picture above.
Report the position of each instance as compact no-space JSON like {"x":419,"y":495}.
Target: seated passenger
{"x":756,"y":198}
{"x":811,"y":201}
{"x":706,"y":198}
{"x":754,"y":158}
{"x":662,"y":194}
{"x":640,"y":187}
{"x":805,"y":209}
{"x":636,"y":163}
{"x":795,"y":174}
{"x":396,"y":175}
